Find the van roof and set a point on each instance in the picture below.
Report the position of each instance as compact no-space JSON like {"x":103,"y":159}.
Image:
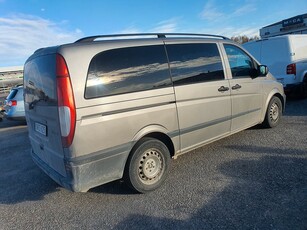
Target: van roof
{"x":284,"y":36}
{"x":141,"y":35}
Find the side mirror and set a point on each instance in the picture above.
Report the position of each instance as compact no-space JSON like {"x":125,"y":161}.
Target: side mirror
{"x":263,"y":70}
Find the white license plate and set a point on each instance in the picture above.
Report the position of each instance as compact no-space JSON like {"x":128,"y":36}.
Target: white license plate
{"x":42,"y":129}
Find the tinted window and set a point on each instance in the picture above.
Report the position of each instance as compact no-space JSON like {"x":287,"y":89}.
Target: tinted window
{"x":40,"y":80}
{"x":192,"y":63}
{"x":240,"y":63}
{"x":127,"y":70}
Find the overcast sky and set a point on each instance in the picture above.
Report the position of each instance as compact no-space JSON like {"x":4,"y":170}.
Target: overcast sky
{"x":26,"y":25}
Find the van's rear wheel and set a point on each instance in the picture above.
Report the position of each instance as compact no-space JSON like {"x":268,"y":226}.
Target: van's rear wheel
{"x":273,"y":113}
{"x":148,"y":165}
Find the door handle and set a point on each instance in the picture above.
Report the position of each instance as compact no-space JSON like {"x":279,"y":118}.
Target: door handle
{"x":237,"y":86}
{"x":223,"y":89}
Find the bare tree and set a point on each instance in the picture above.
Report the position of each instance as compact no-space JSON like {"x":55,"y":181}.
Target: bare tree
{"x":244,"y":39}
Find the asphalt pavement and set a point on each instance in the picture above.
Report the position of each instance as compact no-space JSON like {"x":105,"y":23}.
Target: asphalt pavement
{"x":255,"y":179}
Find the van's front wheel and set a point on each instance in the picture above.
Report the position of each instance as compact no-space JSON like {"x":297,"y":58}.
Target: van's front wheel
{"x":148,"y":165}
{"x":273,"y":113}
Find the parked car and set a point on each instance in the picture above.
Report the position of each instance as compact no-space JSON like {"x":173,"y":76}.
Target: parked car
{"x":14,"y":105}
{"x":1,"y":111}
{"x":100,"y":110}
{"x":286,"y":57}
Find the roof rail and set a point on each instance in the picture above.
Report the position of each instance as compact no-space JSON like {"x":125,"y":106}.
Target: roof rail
{"x":159,"y":35}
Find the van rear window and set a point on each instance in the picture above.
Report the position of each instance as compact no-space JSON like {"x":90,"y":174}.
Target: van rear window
{"x":40,"y":81}
{"x":126,"y":70}
{"x":12,"y":94}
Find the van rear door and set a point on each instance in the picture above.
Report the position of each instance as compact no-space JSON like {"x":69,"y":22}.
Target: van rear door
{"x":42,"y":113}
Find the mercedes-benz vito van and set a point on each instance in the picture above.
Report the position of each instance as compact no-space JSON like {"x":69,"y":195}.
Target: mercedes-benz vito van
{"x":105,"y":108}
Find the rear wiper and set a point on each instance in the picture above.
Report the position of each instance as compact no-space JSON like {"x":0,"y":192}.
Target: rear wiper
{"x":33,"y":103}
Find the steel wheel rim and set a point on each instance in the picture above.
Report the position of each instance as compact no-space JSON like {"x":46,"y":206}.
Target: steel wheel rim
{"x":151,"y":166}
{"x":274,"y":112}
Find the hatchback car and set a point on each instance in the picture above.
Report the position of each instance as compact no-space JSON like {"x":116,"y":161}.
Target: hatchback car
{"x":1,"y":111}
{"x":14,"y":105}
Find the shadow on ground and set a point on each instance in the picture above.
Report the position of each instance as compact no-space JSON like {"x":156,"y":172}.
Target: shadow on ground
{"x":269,"y":192}
{"x":296,"y":107}
{"x":20,"y":179}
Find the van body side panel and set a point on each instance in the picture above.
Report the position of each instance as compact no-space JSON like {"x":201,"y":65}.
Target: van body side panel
{"x":299,"y":47}
{"x":246,"y":103}
{"x":204,"y":113}
{"x":115,"y":101}
{"x":118,"y":122}
{"x":299,"y":50}
{"x":105,"y":134}
{"x":276,"y":53}
{"x":254,"y":48}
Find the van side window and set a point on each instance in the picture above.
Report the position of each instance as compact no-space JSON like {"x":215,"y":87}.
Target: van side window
{"x":240,"y":63}
{"x":192,"y":63}
{"x":126,"y":70}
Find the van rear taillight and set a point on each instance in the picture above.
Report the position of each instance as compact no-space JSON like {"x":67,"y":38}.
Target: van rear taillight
{"x":291,"y":69}
{"x":66,"y":102}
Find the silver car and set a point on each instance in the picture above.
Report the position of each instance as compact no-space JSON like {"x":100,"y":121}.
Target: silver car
{"x":14,"y":105}
{"x":105,"y":108}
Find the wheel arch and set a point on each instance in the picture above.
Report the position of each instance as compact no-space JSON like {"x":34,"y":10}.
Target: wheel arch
{"x":164,"y":139}
{"x":158,"y":132}
{"x":282,"y":99}
{"x":274,"y":93}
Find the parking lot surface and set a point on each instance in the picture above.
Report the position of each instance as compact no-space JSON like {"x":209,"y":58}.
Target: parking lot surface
{"x":255,"y":179}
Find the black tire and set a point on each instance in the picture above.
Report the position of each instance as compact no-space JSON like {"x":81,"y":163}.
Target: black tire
{"x":303,"y":89}
{"x":147,"y":166}
{"x":273,"y":113}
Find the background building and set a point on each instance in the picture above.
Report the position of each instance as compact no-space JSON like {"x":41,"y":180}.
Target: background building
{"x":294,"y":25}
{"x":10,"y":77}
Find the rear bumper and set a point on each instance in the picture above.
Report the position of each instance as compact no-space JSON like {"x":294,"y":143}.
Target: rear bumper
{"x":21,"y":118}
{"x":83,"y":174}
{"x":66,"y":182}
{"x":13,"y":115}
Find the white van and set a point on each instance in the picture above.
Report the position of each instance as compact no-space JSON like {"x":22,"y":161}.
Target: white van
{"x":286,"y":57}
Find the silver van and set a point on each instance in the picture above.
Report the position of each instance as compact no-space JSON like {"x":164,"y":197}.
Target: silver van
{"x":121,"y":106}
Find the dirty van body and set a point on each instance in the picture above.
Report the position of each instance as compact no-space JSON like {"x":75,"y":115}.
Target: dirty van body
{"x":104,"y":108}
